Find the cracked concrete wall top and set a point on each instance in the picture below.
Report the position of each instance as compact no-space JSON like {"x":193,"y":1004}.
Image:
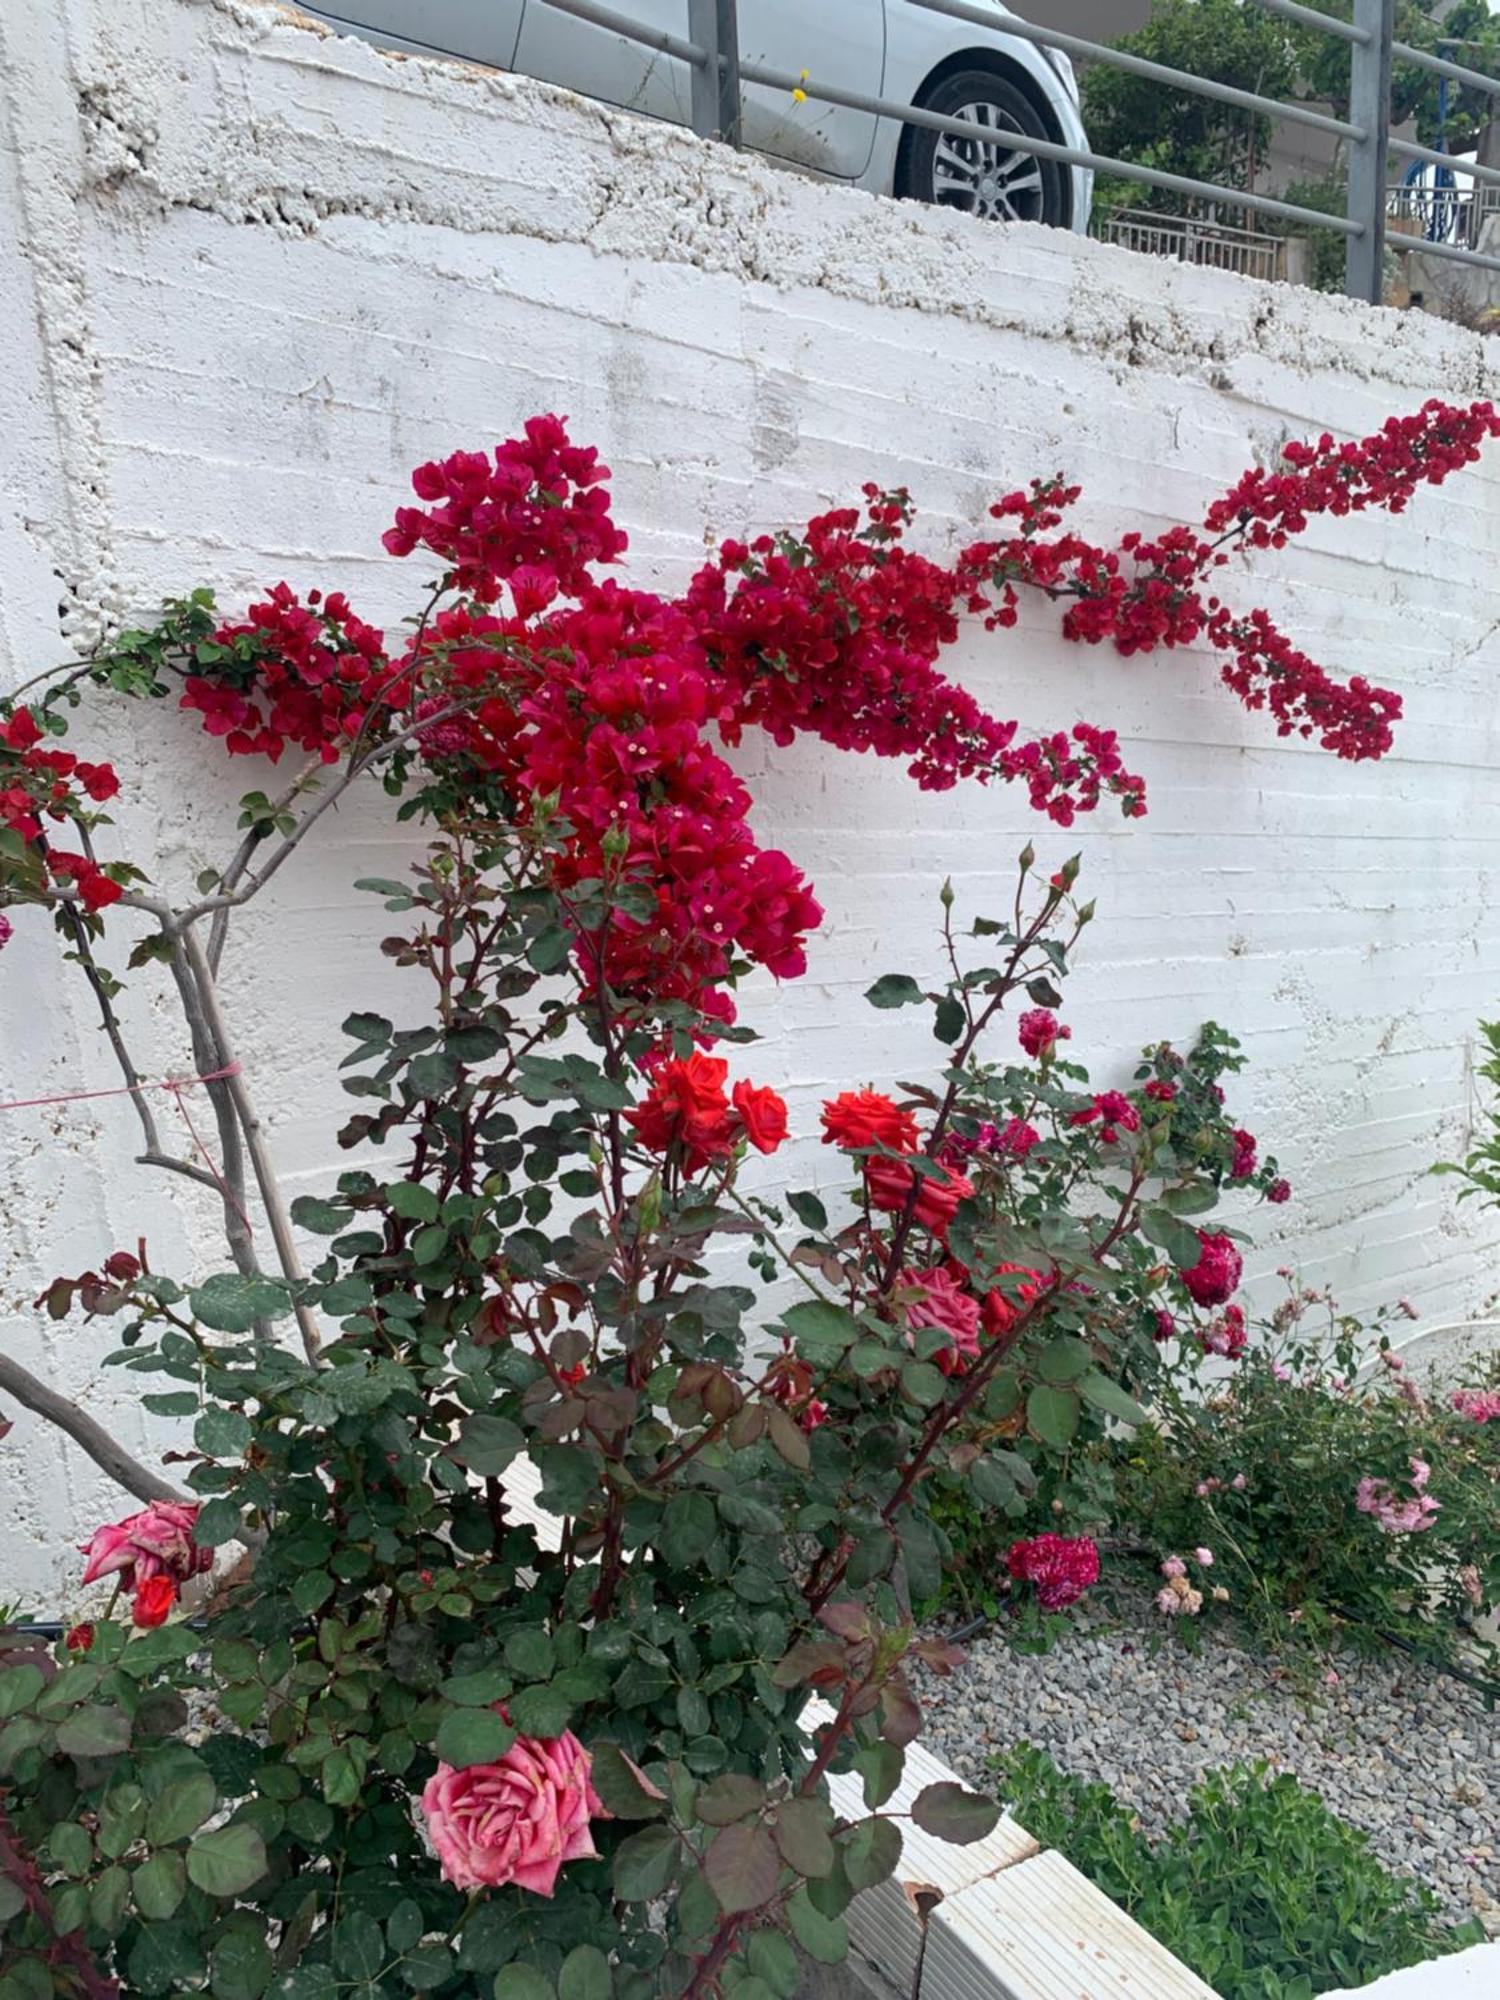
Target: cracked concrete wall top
{"x":252,"y":274}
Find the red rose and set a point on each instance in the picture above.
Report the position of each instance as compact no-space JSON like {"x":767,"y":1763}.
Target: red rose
{"x":763,"y":1115}
{"x":889,"y":1184}
{"x":686,"y":1106}
{"x":80,"y":1639}
{"x":868,"y":1118}
{"x":153,"y":1602}
{"x":999,"y":1312}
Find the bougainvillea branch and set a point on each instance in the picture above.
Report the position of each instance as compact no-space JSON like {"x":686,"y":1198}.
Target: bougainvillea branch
{"x":1145,"y":593}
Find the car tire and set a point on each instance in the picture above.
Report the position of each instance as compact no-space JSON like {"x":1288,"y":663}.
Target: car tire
{"x":988,"y":176}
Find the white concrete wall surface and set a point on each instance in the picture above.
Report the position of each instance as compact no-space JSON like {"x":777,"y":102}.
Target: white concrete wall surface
{"x":252,"y":274}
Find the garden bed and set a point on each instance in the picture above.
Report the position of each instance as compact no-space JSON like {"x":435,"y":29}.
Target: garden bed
{"x":1403,"y":1751}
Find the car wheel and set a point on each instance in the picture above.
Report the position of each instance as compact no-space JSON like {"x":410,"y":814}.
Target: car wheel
{"x":990,"y":175}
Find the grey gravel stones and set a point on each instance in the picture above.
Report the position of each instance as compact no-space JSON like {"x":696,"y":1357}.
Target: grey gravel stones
{"x":1409,"y":1754}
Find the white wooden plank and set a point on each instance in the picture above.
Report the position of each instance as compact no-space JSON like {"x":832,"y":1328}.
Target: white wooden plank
{"x":1042,"y":1931}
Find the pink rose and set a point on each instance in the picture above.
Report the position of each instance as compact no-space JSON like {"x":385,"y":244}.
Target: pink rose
{"x":942,"y":1302}
{"x":156,"y":1542}
{"x":515,"y":1821}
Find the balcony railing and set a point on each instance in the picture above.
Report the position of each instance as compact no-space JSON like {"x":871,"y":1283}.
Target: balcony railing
{"x":1192,"y":240}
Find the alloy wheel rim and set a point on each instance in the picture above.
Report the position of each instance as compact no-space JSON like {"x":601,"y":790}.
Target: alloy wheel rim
{"x":988,"y":175}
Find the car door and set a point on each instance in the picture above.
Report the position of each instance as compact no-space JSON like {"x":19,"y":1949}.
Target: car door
{"x":835,"y":41}
{"x":482,"y":31}
{"x":840,"y":42}
{"x":597,"y":62}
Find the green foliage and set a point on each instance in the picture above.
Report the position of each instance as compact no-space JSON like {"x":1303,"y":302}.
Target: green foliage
{"x":1480,"y":1167}
{"x":1135,"y":118}
{"x":1302,"y":1564}
{"x":1229,"y":41}
{"x":1263,"y":1891}
{"x":1327,"y":247}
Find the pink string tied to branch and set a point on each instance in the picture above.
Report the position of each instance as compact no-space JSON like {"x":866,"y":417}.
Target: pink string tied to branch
{"x":174,"y":1087}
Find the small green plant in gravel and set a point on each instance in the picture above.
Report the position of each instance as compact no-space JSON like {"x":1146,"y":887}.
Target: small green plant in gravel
{"x":1262,"y":1890}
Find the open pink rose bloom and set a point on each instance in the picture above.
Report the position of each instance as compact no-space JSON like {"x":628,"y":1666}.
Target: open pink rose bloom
{"x":517,"y":1820}
{"x":156,"y":1542}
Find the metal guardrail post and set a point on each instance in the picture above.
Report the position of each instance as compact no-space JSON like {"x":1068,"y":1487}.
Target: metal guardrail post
{"x":714,"y":26}
{"x":1369,"y":108}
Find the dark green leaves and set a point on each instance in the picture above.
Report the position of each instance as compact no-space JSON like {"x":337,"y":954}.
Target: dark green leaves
{"x":181,"y":1809}
{"x":487,"y":1444}
{"x":808,"y":1210}
{"x":734,"y":1796}
{"x":1161,"y":1227}
{"x":323,"y":1218}
{"x":95,"y":1732}
{"x":820,"y":1329}
{"x":870,"y":1852}
{"x":646,"y":1864}
{"x":951,"y":1812}
{"x":742,"y":1867}
{"x":822,"y":1938}
{"x":879,"y":1766}
{"x":949,"y":1020}
{"x":473,"y":1736}
{"x":923,"y":1384}
{"x":687,"y":1529}
{"x":222,"y":1433}
{"x":585,"y":1975}
{"x":231,"y":1303}
{"x":1107,"y":1395}
{"x":623,"y":1788}
{"x":522,"y":1982}
{"x":542,"y":1710}
{"x":159,"y":1885}
{"x":895,"y":989}
{"x":227,"y":1861}
{"x":801,"y":1834}
{"x":1052,"y":1415}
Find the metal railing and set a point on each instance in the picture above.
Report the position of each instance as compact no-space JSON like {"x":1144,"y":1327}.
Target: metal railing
{"x":718,"y":70}
{"x":1434,"y":211}
{"x":1193,"y":240}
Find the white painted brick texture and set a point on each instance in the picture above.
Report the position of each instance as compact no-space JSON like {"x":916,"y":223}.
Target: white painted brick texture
{"x":252,"y":274}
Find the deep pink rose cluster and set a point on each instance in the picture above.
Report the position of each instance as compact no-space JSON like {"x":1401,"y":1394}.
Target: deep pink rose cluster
{"x":518,"y":1820}
{"x":1215,"y":1278}
{"x":1060,"y":1568}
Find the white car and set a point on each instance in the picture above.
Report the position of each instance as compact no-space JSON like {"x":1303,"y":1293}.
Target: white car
{"x":1005,"y":87}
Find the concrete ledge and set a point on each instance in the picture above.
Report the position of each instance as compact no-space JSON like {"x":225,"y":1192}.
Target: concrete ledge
{"x":1468,"y":1975}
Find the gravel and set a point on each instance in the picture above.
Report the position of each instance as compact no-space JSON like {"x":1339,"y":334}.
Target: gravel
{"x":1405,"y":1752}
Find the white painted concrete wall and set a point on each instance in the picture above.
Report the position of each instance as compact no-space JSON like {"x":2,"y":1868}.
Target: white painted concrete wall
{"x":252,"y":275}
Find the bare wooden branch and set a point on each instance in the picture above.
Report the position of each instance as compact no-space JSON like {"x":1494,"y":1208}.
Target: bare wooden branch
{"x":255,"y":1140}
{"x":86,"y":1432}
{"x":209,"y":1058}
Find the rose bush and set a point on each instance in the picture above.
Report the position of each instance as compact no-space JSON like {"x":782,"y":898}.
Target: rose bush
{"x":1340,"y":1500}
{"x":407,"y":1743}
